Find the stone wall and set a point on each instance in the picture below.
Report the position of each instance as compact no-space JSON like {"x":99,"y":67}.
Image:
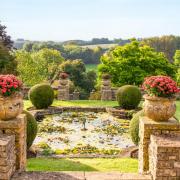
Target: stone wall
{"x":148,"y":127}
{"x":17,"y":127}
{"x":164,"y":157}
{"x":7,"y":156}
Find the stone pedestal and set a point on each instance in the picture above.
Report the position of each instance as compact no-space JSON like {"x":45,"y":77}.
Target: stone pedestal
{"x":148,"y":127}
{"x":106,"y":92}
{"x":76,"y":95}
{"x":17,"y":127}
{"x":63,"y":90}
{"x":164,"y":157}
{"x":106,"y":95}
{"x":7,"y":156}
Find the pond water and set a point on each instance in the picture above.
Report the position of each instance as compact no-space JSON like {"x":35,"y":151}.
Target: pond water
{"x":78,"y":129}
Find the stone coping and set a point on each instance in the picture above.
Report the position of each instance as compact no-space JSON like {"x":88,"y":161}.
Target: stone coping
{"x":165,"y":141}
{"x":172,"y":123}
{"x":79,"y":175}
{"x":60,"y":109}
{"x":15,"y":123}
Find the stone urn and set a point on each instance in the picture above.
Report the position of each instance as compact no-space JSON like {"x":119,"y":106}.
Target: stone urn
{"x":63,"y":82}
{"x":106,"y":82}
{"x":159,"y":108}
{"x":11,"y":106}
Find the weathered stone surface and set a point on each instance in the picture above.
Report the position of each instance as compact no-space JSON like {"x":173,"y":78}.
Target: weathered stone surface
{"x":16,"y":127}
{"x":8,"y":158}
{"x":148,"y":127}
{"x":79,"y":176}
{"x":63,"y":89}
{"x":106,"y":92}
{"x":164,"y":157}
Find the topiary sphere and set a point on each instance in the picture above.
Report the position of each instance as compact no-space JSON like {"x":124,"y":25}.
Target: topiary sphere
{"x":31,"y":128}
{"x":134,"y":127}
{"x":128,"y":96}
{"x":41,"y":96}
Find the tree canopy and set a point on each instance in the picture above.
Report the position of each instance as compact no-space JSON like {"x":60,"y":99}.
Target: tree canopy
{"x":129,"y":64}
{"x":177,"y":64}
{"x":36,"y":67}
{"x":83,"y":81}
{"x":7,"y":61}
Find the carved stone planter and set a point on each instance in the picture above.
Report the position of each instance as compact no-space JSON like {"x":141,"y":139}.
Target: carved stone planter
{"x":159,"y":108}
{"x":106,"y":82}
{"x":11,"y":107}
{"x":63,"y":82}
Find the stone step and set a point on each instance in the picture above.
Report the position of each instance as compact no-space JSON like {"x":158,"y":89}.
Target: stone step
{"x":79,"y":176}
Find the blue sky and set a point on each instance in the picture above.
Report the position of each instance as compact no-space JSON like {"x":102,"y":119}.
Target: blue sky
{"x":60,"y":20}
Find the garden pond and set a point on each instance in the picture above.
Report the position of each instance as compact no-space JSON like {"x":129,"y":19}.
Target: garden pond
{"x":82,"y":133}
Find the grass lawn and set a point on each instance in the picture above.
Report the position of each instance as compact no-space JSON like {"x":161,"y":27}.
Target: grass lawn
{"x":83,"y":164}
{"x":82,"y":103}
{"x":178,"y":109}
{"x":91,"y":67}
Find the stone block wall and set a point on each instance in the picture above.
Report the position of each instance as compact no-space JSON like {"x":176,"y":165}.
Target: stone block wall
{"x":164,"y":157}
{"x":7,"y":156}
{"x":17,"y":127}
{"x":148,"y":127}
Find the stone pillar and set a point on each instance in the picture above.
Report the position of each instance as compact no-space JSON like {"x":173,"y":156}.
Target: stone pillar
{"x":164,"y":157}
{"x":63,"y":89}
{"x":76,"y":95}
{"x":106,"y":92}
{"x":17,"y":127}
{"x":7,"y":156}
{"x":148,"y":127}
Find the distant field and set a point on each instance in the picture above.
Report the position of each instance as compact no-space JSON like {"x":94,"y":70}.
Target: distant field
{"x":91,"y":67}
{"x":104,"y":46}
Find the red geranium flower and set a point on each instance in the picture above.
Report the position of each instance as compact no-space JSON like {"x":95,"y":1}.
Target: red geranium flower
{"x":9,"y":84}
{"x":162,"y":86}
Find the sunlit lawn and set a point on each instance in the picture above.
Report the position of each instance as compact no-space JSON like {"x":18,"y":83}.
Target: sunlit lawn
{"x":83,"y":164}
{"x":82,"y":103}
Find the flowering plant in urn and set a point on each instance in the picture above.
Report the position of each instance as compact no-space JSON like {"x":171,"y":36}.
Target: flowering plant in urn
{"x":11,"y":103}
{"x":63,"y":78}
{"x":64,"y":75}
{"x":159,"y":102}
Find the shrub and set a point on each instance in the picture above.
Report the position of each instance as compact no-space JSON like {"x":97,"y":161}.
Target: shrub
{"x":41,"y":95}
{"x":128,"y":96}
{"x":134,"y":127}
{"x":31,"y":128}
{"x":96,"y":95}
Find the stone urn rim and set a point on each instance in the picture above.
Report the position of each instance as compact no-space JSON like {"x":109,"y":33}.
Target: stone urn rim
{"x":13,"y":95}
{"x":157,"y":98}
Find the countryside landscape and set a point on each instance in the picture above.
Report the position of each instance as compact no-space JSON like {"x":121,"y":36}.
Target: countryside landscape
{"x":81,"y":99}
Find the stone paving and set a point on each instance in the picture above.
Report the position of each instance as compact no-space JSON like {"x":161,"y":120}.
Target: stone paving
{"x":79,"y":176}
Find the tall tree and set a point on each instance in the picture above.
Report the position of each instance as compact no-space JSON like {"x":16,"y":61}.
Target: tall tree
{"x":131,"y":63}
{"x":4,"y":38}
{"x":177,"y":64}
{"x":165,"y":44}
{"x":36,"y":67}
{"x":7,"y":61}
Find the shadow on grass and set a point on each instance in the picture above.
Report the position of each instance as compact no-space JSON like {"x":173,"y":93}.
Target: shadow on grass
{"x":45,"y":164}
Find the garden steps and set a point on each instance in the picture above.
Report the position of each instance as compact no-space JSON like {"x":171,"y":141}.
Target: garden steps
{"x":77,"y":175}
